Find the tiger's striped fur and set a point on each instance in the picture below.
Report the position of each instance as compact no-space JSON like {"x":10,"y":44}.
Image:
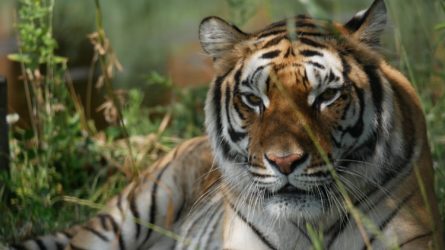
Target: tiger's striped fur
{"x":291,"y":105}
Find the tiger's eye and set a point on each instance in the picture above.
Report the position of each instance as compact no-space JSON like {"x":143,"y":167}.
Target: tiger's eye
{"x":254,"y":100}
{"x":328,"y":95}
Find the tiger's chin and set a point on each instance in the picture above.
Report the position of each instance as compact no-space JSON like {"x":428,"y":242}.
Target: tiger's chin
{"x":296,"y":207}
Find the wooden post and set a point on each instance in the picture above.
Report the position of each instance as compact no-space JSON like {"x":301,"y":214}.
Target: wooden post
{"x":4,"y":139}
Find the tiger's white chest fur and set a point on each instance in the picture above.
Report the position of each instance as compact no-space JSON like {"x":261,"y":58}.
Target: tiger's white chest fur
{"x":217,"y":225}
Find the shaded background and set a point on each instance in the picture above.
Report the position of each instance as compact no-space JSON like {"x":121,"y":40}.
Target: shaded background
{"x":161,"y":36}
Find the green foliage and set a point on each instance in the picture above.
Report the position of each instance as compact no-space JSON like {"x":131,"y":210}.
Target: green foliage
{"x":56,"y":146}
{"x":188,"y":112}
{"x":35,"y":32}
{"x":241,"y":10}
{"x":185,"y":105}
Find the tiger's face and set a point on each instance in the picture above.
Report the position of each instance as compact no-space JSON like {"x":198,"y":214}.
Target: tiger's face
{"x":288,"y":104}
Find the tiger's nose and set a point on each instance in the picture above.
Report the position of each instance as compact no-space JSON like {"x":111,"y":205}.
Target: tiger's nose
{"x":286,"y":164}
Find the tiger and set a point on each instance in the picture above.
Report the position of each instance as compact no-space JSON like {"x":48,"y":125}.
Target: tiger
{"x":309,"y":130}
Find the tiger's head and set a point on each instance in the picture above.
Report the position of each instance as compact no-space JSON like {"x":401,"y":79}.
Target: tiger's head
{"x":294,"y":99}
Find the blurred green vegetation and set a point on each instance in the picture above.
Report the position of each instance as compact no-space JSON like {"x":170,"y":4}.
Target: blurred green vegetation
{"x":95,"y":165}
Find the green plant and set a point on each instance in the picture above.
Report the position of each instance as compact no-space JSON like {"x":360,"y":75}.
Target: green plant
{"x":435,"y":112}
{"x":241,"y":10}
{"x":57,"y":144}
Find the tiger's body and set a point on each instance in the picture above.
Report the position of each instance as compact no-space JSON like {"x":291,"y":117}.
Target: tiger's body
{"x":307,"y":126}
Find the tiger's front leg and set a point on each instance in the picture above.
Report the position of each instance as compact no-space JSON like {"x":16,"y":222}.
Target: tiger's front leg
{"x":129,"y":220}
{"x":155,"y":201}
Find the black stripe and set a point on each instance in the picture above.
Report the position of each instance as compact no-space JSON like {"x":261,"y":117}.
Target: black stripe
{"x":357,"y":129}
{"x":274,"y":41}
{"x":103,"y":222}
{"x":268,"y":83}
{"x":398,"y":162}
{"x":198,"y":213}
{"x":18,"y":247}
{"x":364,"y":150}
{"x":346,"y":109}
{"x":119,"y":233}
{"x":95,"y":232}
{"x":67,"y":234}
{"x":302,"y":232}
{"x":261,"y":175}
{"x":257,"y":232}
{"x":415,"y":238}
{"x":252,"y":77}
{"x":289,"y":52}
{"x":212,"y":230}
{"x":299,"y":19}
{"x":60,"y":246}
{"x":331,"y":76}
{"x":305,"y":78}
{"x":114,"y":224}
{"x":310,"y":53}
{"x":134,"y":211}
{"x":271,"y":54}
{"x":152,"y":219}
{"x":205,"y":229}
{"x":346,"y":67}
{"x":256,"y":165}
{"x":281,"y":23}
{"x":235,"y":136}
{"x":401,"y":162}
{"x":238,"y":111}
{"x":370,"y":193}
{"x":390,"y":217}
{"x":316,"y":34}
{"x":303,"y":16}
{"x":217,"y":102}
{"x":376,"y":89}
{"x":226,"y":150}
{"x":74,"y":247}
{"x":237,"y":79}
{"x":395,"y":211}
{"x":311,"y":42}
{"x":316,"y":64}
{"x":270,"y":33}
{"x":40,"y":244}
{"x":338,"y":227}
{"x":336,"y":143}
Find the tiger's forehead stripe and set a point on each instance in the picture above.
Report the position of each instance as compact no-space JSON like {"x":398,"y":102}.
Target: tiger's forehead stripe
{"x":302,"y":24}
{"x":312,"y":56}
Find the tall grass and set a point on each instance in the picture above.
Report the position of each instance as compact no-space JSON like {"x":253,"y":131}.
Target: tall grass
{"x":64,"y":143}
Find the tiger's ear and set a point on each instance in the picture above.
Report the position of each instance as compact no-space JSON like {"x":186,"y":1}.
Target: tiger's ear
{"x":218,"y":37}
{"x":367,"y":25}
